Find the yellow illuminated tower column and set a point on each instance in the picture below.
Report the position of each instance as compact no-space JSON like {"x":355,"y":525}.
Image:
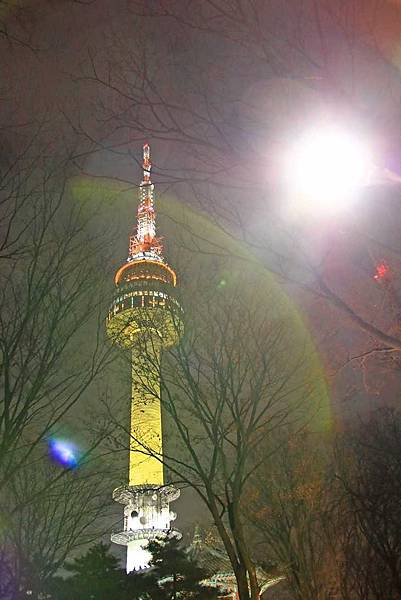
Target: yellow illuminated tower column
{"x":145,"y":317}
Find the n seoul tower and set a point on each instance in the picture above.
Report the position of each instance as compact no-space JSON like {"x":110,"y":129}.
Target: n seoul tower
{"x":144,"y":318}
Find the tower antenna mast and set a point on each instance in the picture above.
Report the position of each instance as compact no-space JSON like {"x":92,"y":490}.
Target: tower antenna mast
{"x":144,"y":242}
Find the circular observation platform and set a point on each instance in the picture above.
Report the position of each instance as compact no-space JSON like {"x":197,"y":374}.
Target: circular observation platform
{"x":145,"y":268}
{"x":145,"y":304}
{"x":126,"y":494}
{"x":125,"y":537}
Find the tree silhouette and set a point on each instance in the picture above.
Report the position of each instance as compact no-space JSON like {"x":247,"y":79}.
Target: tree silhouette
{"x":96,"y":575}
{"x":369,"y":515}
{"x":173,"y":574}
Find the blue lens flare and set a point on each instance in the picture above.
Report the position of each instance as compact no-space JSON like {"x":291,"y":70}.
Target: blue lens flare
{"x":63,"y":453}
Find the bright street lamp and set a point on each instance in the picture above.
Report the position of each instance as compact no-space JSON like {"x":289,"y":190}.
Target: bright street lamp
{"x":327,"y":167}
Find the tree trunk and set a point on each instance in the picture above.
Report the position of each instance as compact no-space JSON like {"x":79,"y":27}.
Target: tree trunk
{"x":241,"y":576}
{"x":244,"y":557}
{"x":239,"y":569}
{"x":253,"y":582}
{"x":243,"y":552}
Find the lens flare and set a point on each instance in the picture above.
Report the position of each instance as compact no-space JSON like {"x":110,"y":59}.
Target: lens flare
{"x":63,"y":453}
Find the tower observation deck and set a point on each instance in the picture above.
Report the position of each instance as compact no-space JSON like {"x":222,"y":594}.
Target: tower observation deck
{"x":144,"y":318}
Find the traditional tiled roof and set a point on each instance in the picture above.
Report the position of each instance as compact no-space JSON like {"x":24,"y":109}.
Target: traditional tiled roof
{"x":212,"y":559}
{"x":216,"y":563}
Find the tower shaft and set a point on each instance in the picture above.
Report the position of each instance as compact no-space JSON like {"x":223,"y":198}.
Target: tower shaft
{"x":146,"y":441}
{"x":145,"y":317}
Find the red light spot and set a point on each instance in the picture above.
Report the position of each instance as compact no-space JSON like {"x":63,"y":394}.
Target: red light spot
{"x":382,"y":271}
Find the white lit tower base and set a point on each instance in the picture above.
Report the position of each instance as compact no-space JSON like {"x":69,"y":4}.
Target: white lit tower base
{"x":145,"y":317}
{"x":147,"y":515}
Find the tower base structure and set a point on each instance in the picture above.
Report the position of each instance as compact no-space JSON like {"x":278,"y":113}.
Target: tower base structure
{"x":147,"y":516}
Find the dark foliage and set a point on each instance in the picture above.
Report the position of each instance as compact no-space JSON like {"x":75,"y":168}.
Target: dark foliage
{"x":173,"y":574}
{"x":369,"y":472}
{"x":97,"y":575}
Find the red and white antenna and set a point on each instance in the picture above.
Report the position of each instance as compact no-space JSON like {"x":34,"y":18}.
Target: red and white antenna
{"x":147,"y":165}
{"x":145,"y":244}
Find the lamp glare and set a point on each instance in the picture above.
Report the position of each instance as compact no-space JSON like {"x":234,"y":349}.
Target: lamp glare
{"x":328,"y":168}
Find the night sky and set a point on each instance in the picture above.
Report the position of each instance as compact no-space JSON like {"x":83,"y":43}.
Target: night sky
{"x":219,"y":100}
{"x":54,"y":50}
